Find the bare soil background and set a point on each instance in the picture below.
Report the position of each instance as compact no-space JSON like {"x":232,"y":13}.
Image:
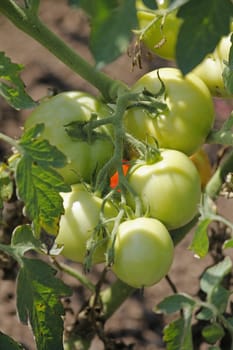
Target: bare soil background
{"x":134,"y":322}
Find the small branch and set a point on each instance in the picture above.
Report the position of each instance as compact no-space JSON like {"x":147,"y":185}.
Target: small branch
{"x":74,"y":273}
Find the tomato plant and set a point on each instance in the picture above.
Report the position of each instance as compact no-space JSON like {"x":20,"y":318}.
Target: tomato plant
{"x":85,"y":153}
{"x":81,"y":220}
{"x":170,"y":188}
{"x":188,"y":111}
{"x":128,"y":215}
{"x":143,"y":252}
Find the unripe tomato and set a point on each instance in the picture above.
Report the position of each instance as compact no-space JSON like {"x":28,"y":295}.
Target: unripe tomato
{"x":188,"y":118}
{"x":143,"y":252}
{"x":202,"y":162}
{"x":85,"y":157}
{"x":211,"y":68}
{"x":161,"y":33}
{"x":81,"y":216}
{"x":170,"y":188}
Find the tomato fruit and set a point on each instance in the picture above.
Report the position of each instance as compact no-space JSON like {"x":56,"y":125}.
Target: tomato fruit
{"x":81,"y":216}
{"x":211,"y":68}
{"x":85,"y":157}
{"x":202,"y":162}
{"x":160,"y":33}
{"x":143,"y":252}
{"x":170,"y":188}
{"x":188,"y":118}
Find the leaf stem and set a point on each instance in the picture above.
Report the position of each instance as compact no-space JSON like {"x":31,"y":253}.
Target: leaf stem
{"x":74,"y":273}
{"x":29,"y":22}
{"x":11,"y":141}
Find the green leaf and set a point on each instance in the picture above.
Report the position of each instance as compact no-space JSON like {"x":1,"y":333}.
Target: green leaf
{"x":178,"y":334}
{"x":111,"y":31}
{"x":174,"y":303}
{"x":11,"y":86}
{"x":7,"y":343}
{"x":39,"y":188}
{"x":38,"y":301}
{"x":201,"y":30}
{"x":200,"y":242}
{"x":213,"y":332}
{"x":23,"y":240}
{"x":219,"y":297}
{"x":228,"y":71}
{"x":205,"y":314}
{"x":214,"y":275}
{"x":38,"y":183}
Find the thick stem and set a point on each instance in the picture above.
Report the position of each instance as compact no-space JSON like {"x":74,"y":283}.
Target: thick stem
{"x":29,"y":23}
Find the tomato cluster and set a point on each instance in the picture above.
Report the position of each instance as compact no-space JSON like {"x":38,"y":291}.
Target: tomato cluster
{"x":150,"y":189}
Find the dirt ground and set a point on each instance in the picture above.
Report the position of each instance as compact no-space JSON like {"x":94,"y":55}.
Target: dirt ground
{"x":134,"y":322}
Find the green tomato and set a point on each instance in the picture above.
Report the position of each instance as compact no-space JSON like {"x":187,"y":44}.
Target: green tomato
{"x":85,"y":157}
{"x":188,"y":118}
{"x":211,"y":68}
{"x":143,"y":252}
{"x":170,"y":188}
{"x":80,"y":219}
{"x":159,"y":32}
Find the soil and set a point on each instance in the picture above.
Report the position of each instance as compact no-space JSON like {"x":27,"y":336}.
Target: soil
{"x":135,"y":321}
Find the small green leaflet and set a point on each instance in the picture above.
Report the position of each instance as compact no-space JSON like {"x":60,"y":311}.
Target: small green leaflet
{"x":214,"y":275}
{"x":174,"y":303}
{"x":200,"y":242}
{"x":200,"y":34}
{"x":38,"y":183}
{"x":38,"y":301}
{"x":178,"y":334}
{"x":11,"y":85}
{"x":111,"y":31}
{"x":213,"y":332}
{"x":7,"y":343}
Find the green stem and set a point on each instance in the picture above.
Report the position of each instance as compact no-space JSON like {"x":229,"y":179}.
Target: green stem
{"x":11,"y":141}
{"x":28,"y":22}
{"x":214,"y":186}
{"x":74,"y":273}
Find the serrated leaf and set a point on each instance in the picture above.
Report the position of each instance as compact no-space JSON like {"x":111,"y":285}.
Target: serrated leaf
{"x":200,"y":242}
{"x":40,"y":150}
{"x":200,"y":33}
{"x":213,"y":332}
{"x":178,"y":334}
{"x":174,"y":303}
{"x":214,"y":275}
{"x":7,"y":343}
{"x":111,"y":30}
{"x":39,"y":188}
{"x":38,"y":302}
{"x":11,"y":85}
